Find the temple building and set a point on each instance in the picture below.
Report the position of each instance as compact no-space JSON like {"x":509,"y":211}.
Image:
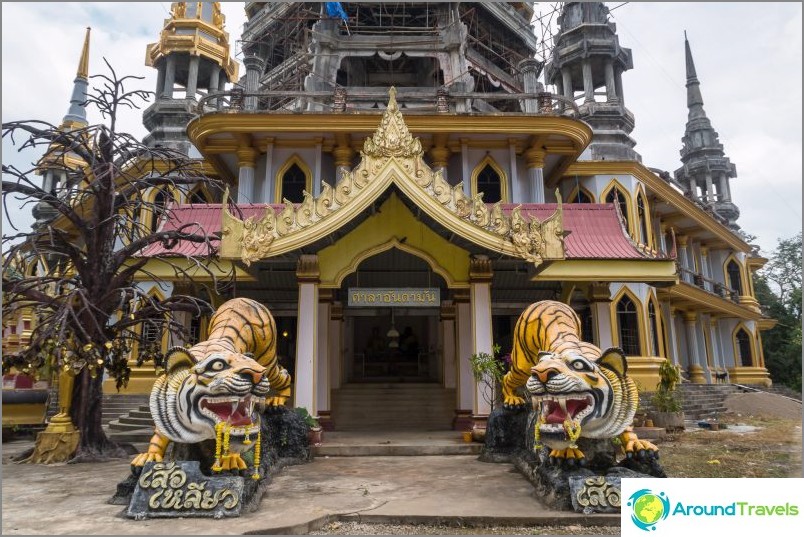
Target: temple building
{"x":407,"y":187}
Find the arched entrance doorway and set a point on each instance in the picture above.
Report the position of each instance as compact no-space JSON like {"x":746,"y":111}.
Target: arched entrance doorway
{"x":394,"y":358}
{"x":391,"y":318}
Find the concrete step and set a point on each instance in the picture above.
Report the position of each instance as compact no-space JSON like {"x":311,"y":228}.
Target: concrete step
{"x":384,"y":443}
{"x":400,"y":406}
{"x":132,"y":436}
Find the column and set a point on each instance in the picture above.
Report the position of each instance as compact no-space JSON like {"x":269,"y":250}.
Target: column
{"x":160,"y":78}
{"x":343,"y":154}
{"x":683,"y":258}
{"x":611,"y":89}
{"x":221,"y":89}
{"x":588,"y":87}
{"x":246,"y":160}
{"x":439,"y":153}
{"x":192,"y":77}
{"x":717,"y":355}
{"x":560,"y":91}
{"x":336,"y":345}
{"x":317,"y":169}
{"x":600,"y":298}
{"x":322,"y":361}
{"x":725,"y":195}
{"x":695,"y":369}
{"x":669,"y":316}
{"x":213,"y":84}
{"x":449,"y":363}
{"x":662,"y":241}
{"x":467,"y":183}
{"x":534,"y":158}
{"x":307,"y":274}
{"x":530,"y":68}
{"x":516,"y":190}
{"x":567,"y":79}
{"x":465,"y":394}
{"x":705,"y":268}
{"x":268,"y":179}
{"x":170,"y":76}
{"x":480,"y":274}
{"x":710,"y":195}
{"x":254,"y":66}
{"x":618,"y":84}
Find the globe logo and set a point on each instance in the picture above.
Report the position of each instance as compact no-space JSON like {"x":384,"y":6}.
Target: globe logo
{"x":648,"y":508}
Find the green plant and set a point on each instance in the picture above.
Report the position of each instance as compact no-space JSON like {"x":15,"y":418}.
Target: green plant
{"x":666,"y":397}
{"x":488,"y":371}
{"x":305,"y":415}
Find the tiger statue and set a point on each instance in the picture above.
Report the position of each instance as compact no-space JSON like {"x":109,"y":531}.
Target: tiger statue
{"x":576,"y":390}
{"x":218,"y":388}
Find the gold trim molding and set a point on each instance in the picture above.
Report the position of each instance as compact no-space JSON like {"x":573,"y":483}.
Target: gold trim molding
{"x":392,"y":156}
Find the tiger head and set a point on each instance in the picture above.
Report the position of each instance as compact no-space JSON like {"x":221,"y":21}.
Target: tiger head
{"x":576,"y":391}
{"x":196,"y":394}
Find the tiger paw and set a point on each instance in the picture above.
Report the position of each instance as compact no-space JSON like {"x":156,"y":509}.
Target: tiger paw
{"x":231,"y":462}
{"x":143,"y":458}
{"x":641,"y":448}
{"x":568,"y":457}
{"x":512,"y":402}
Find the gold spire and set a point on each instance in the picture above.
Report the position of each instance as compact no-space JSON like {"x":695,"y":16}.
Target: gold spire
{"x":83,"y":63}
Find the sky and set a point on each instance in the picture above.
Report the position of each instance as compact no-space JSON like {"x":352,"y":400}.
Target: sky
{"x":747,"y":56}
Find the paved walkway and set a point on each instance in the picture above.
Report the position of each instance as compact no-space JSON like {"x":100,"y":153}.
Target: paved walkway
{"x":71,"y":499}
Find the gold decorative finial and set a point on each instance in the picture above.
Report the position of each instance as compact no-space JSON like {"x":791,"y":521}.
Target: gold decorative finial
{"x":392,"y":138}
{"x":83,"y":63}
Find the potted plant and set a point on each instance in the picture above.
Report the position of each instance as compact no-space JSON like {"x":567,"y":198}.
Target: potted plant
{"x":315,"y":433}
{"x":488,"y":370}
{"x":667,"y":411}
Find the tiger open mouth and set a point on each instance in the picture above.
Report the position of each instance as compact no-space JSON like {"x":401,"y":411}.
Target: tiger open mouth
{"x":556,"y":409}
{"x":236,"y":411}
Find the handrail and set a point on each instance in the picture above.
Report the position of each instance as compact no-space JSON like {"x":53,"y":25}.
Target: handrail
{"x":236,"y":99}
{"x":718,"y":288}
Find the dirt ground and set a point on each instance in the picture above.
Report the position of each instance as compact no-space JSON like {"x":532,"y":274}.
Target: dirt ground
{"x":763,"y":438}
{"x":764,"y":405}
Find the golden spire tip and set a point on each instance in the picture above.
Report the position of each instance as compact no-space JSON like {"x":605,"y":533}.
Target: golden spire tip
{"x":83,"y":63}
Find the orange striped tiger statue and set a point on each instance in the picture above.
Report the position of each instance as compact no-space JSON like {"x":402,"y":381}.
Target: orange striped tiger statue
{"x":576,"y":390}
{"x":218,"y":388}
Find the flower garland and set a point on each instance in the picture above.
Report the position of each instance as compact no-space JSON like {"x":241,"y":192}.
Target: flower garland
{"x":256,"y":474}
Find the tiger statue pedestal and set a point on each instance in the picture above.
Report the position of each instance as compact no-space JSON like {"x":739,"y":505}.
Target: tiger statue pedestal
{"x":582,"y":406}
{"x":221,"y":402}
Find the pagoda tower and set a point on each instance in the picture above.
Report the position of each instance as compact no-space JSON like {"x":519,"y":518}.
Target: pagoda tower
{"x":587,"y":56}
{"x":193,"y":60}
{"x":299,"y":54}
{"x":55,"y":163}
{"x":706,"y":170}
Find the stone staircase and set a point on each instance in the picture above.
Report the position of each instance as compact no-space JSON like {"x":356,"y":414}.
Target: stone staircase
{"x":705,"y":400}
{"x":127,"y":418}
{"x":393,"y":407}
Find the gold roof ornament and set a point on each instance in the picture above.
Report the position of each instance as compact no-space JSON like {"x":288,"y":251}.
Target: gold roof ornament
{"x":196,"y":28}
{"x":392,"y":138}
{"x":392,"y":156}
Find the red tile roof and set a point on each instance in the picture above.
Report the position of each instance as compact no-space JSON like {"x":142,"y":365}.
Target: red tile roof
{"x":595,"y":231}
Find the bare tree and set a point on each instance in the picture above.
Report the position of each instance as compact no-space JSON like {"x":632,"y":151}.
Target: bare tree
{"x":78,"y":270}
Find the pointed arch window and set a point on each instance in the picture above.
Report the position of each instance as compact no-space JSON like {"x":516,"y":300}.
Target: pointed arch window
{"x":628,"y":326}
{"x":158,"y":208}
{"x":200,"y":195}
{"x":581,"y":195}
{"x":489,"y":179}
{"x":618,"y":197}
{"x":746,"y":352}
{"x":735,"y":276}
{"x":642,"y":215}
{"x":587,"y":325}
{"x":292,"y":180}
